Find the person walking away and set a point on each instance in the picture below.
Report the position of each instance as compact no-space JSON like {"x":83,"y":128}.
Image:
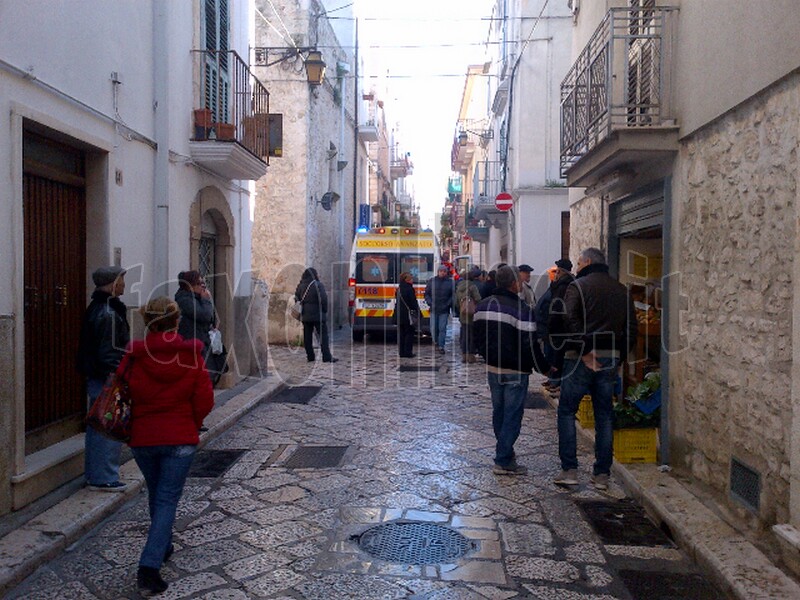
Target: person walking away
{"x":314,"y":300}
{"x":171,"y":394}
{"x":407,"y":312}
{"x":487,"y":288}
{"x":505,"y":332}
{"x":600,"y":321}
{"x":525,"y":289}
{"x":550,"y":322}
{"x":104,"y":334}
{"x":439,"y":292}
{"x":467,"y":292}
{"x":197,"y":309}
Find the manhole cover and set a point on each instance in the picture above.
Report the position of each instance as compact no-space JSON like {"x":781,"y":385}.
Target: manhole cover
{"x":418,"y":368}
{"x":213,"y":463}
{"x":655,"y":585}
{"x":623,"y":524}
{"x":300,"y":394}
{"x":536,"y":401}
{"x":414,"y":543}
{"x":316,"y":457}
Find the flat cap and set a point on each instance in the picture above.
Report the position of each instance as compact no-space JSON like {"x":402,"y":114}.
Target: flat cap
{"x":105,"y":275}
{"x":564,"y":263}
{"x":525,"y":268}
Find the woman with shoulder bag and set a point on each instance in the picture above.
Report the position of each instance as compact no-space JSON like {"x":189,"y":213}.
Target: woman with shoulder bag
{"x":407,"y":312}
{"x":171,"y":395}
{"x":467,"y":297}
{"x":197,"y":309}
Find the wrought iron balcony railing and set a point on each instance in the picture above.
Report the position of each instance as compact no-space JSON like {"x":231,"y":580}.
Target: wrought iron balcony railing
{"x":486,"y":182}
{"x":234,"y":103}
{"x":620,"y":80}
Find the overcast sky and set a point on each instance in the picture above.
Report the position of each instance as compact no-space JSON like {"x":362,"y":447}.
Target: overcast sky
{"x":425,"y":83}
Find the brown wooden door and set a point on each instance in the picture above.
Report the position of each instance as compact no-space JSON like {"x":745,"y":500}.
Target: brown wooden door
{"x":54,"y":210}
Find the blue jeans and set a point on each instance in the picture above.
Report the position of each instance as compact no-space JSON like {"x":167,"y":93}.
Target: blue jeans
{"x":101,"y":456}
{"x":439,"y":324}
{"x":578,"y":380}
{"x":165,"y":469}
{"x":508,"y":405}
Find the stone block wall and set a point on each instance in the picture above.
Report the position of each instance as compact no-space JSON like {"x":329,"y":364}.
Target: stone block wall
{"x":586,"y":228}
{"x":735,"y":189}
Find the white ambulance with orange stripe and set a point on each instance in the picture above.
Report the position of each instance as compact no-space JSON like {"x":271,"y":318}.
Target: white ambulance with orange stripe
{"x":379,"y":256}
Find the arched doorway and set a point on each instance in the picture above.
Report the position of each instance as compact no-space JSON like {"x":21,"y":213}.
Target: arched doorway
{"x":211,"y":253}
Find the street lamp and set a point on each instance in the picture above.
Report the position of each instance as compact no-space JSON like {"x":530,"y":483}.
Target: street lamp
{"x":304,"y":57}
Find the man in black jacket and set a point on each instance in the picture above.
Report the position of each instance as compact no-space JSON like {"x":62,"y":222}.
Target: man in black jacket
{"x":104,"y":334}
{"x":505,"y":335}
{"x":600,"y":320}
{"x":439,"y":292}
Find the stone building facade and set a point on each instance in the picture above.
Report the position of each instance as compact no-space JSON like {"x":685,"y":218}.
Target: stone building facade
{"x":305,"y":205}
{"x":696,"y":196}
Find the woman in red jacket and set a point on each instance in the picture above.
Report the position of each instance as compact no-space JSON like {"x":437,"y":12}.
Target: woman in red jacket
{"x":171,"y":395}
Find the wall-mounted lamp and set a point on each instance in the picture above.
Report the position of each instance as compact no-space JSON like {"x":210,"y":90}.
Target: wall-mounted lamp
{"x":484,"y":134}
{"x":303,"y":57}
{"x":328,"y":199}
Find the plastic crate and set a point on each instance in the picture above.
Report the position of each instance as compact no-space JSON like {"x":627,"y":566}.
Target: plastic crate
{"x":586,"y":413}
{"x":635,"y":445}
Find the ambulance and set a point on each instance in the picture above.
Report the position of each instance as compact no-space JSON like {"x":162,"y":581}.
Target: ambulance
{"x":378,"y":257}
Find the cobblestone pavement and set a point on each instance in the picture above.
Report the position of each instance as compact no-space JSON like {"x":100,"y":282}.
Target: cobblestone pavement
{"x":413,"y":445}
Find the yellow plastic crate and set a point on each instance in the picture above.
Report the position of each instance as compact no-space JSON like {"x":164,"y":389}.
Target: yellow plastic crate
{"x":635,"y":445}
{"x":586,"y":413}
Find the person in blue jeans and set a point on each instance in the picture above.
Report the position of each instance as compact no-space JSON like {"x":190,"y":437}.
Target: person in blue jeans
{"x":601,"y":326}
{"x":439,"y":294}
{"x":104,"y":334}
{"x":171,"y":394}
{"x":505,"y":335}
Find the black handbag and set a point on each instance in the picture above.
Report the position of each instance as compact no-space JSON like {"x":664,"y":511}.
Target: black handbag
{"x":217,"y":365}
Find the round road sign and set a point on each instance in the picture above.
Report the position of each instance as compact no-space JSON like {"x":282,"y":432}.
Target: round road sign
{"x":504,"y":201}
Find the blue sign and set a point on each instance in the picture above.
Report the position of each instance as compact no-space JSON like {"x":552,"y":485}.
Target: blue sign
{"x":364,"y":216}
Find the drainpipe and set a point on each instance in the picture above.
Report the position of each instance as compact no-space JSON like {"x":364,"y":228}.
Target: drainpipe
{"x":342,"y":69}
{"x":355,"y":139}
{"x":161,"y":26}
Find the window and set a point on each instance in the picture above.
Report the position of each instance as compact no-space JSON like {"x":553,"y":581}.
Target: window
{"x":217,"y":67}
{"x":419,"y":265}
{"x":375,"y":268}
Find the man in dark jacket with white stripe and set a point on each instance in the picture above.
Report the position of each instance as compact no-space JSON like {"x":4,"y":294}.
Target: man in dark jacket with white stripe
{"x":601,"y":324}
{"x":505,"y":332}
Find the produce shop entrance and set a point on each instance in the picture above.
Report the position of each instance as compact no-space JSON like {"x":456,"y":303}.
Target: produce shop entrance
{"x":636,"y":257}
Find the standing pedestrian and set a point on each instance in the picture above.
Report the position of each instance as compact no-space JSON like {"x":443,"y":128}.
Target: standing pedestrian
{"x":197,"y":309}
{"x":599,"y":318}
{"x":487,"y":288}
{"x":310,"y":293}
{"x":171,"y":395}
{"x":549,"y":313}
{"x":505,"y":332}
{"x":439,"y":292}
{"x":467,"y":297}
{"x":104,"y":334}
{"x":407,"y":314}
{"x":525,"y":289}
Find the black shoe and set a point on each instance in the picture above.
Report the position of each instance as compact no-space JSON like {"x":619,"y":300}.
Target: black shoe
{"x":149,"y":581}
{"x":311,"y":359}
{"x":331,"y":359}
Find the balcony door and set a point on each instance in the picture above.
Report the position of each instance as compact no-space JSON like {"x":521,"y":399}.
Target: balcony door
{"x":216,"y":29}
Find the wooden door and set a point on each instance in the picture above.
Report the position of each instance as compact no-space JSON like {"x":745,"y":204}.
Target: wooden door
{"x":54,"y":209}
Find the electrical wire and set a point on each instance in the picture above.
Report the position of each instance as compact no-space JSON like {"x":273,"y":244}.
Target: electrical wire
{"x":275,"y":29}
{"x":277,"y":14}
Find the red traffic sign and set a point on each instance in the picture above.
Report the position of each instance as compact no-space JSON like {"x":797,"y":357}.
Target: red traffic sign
{"x":504,"y":201}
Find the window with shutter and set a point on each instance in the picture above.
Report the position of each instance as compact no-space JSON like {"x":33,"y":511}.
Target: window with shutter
{"x":217,"y":68}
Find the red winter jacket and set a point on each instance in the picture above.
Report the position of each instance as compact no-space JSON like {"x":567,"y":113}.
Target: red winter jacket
{"x":170,"y":389}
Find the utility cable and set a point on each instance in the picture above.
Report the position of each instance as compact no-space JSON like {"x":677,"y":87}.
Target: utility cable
{"x":281,"y":22}
{"x":275,"y":29}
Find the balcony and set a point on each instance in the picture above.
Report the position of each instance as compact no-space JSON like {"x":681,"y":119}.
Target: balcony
{"x":479,"y":234}
{"x":368,"y":132}
{"x":231,"y":130}
{"x":486,"y":186}
{"x":401,"y":168}
{"x":615,"y":100}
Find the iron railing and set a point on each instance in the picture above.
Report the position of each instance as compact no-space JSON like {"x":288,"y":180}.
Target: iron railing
{"x":620,"y":80}
{"x":486,"y":182}
{"x":236,"y":102}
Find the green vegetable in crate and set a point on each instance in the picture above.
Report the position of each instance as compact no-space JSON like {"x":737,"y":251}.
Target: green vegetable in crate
{"x":628,"y":416}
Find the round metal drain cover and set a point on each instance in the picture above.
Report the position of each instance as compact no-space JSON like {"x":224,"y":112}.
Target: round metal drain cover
{"x":414,"y":543}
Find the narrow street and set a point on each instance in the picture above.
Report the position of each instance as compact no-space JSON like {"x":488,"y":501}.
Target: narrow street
{"x":278,"y":506}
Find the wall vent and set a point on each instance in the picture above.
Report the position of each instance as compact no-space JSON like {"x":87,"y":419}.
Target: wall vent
{"x":745,"y":485}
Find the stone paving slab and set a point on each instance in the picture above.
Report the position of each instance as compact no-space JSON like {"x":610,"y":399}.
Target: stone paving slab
{"x":420,"y":448}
